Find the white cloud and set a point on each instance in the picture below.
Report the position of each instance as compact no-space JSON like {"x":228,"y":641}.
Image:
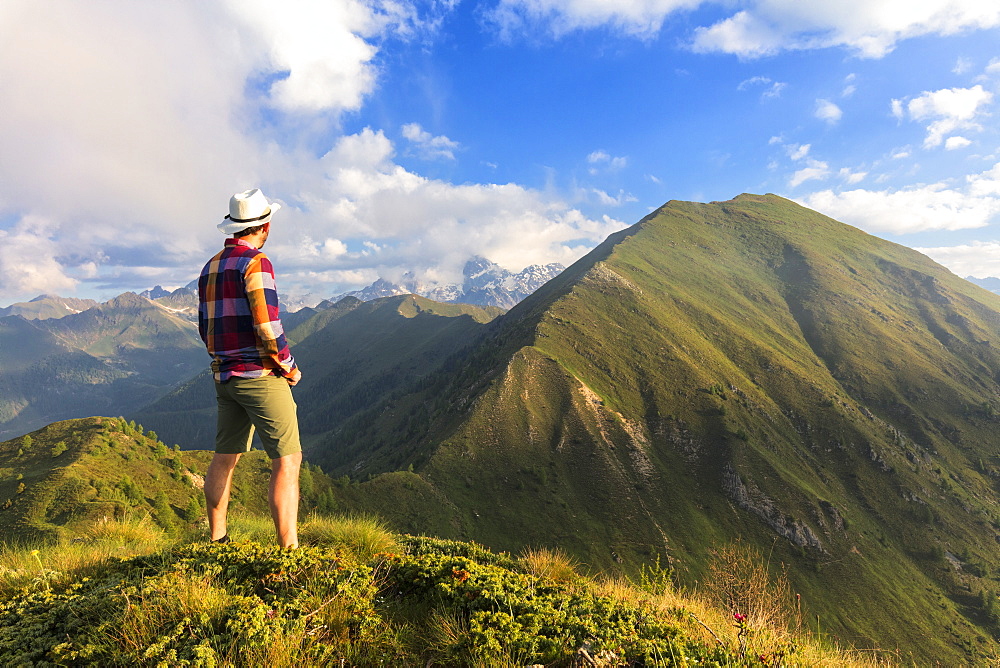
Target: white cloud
{"x":27,"y":261}
{"x":427,"y":225}
{"x":613,"y":200}
{"x":760,"y":27}
{"x":125,"y":124}
{"x":979,"y":258}
{"x":772,"y":88}
{"x":641,"y":18}
{"x":948,"y":110}
{"x":897,"y":109}
{"x":870,"y":29}
{"x":962,"y":65}
{"x":601,"y":158}
{"x":798,"y":151}
{"x":323,"y":47}
{"x":816,"y":170}
{"x":849,"y":87}
{"x":852,"y":178}
{"x":828,"y":111}
{"x":429,"y":146}
{"x":917,"y":208}
{"x":956,"y":142}
{"x":985,"y":184}
{"x":125,"y":121}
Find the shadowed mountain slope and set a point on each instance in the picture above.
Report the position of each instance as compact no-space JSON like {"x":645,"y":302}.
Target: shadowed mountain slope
{"x":736,"y":370}
{"x":110,"y":359}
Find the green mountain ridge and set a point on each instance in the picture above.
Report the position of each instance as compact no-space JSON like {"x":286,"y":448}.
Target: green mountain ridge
{"x":735,"y":370}
{"x":57,"y":482}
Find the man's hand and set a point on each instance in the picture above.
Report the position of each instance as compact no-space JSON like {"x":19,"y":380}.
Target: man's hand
{"x":294,"y":378}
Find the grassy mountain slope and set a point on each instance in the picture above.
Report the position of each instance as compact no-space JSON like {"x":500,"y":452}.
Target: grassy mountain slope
{"x":745,"y":369}
{"x":352,"y":355}
{"x":22,"y":342}
{"x":61,"y":480}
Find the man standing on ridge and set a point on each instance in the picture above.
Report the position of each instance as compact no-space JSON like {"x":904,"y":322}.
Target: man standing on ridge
{"x":253,"y":367}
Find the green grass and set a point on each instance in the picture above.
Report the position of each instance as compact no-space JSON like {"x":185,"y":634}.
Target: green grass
{"x":429,"y":602}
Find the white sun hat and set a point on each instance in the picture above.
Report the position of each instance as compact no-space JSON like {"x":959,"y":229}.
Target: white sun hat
{"x":247,"y":209}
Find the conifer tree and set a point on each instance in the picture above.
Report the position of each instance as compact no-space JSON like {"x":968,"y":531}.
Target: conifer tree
{"x":162,"y":512}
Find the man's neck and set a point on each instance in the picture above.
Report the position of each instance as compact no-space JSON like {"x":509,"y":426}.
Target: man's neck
{"x":255,"y":240}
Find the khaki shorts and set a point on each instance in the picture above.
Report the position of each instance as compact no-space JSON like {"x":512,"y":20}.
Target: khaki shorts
{"x":264,"y":404}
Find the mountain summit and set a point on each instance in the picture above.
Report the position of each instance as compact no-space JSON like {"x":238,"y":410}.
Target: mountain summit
{"x":743,"y":370}
{"x":484,"y":283}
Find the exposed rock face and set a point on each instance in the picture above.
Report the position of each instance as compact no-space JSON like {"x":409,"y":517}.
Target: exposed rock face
{"x":488,"y":284}
{"x":749,"y":497}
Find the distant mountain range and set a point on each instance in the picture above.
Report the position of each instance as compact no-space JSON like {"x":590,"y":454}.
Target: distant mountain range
{"x":106,"y":352}
{"x":44,"y":307}
{"x":106,"y":360}
{"x":991,"y":283}
{"x":485,"y":283}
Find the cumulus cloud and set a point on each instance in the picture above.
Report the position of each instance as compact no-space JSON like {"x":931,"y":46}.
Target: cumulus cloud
{"x":828,"y":111}
{"x":956,"y":142}
{"x":126,"y":124}
{"x":426,"y":225}
{"x":979,"y":258}
{"x":948,"y":110}
{"x":28,"y":264}
{"x":322,"y":50}
{"x":917,"y":208}
{"x":986,"y":183}
{"x":427,"y":145}
{"x":760,"y":27}
{"x":124,"y":121}
{"x":870,"y":29}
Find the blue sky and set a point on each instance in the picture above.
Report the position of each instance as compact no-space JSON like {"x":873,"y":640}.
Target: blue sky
{"x":410,"y":137}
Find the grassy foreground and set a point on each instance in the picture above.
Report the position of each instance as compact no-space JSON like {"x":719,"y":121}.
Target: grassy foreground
{"x":356,"y":594}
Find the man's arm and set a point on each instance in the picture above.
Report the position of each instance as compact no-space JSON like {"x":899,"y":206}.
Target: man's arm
{"x":263,"y":297}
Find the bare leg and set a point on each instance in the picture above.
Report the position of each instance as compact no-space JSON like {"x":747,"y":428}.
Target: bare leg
{"x":283,"y":497}
{"x":218,"y":483}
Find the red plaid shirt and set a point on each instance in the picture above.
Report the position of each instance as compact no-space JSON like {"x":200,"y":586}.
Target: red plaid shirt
{"x":238,"y":315}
